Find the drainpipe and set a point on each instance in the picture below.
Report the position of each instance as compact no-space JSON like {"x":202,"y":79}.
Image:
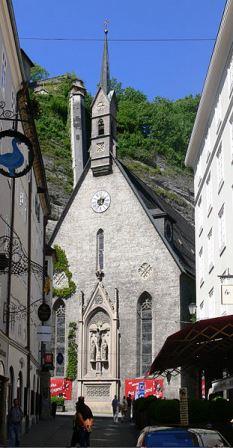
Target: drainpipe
{"x":8,"y":299}
{"x":28,"y":382}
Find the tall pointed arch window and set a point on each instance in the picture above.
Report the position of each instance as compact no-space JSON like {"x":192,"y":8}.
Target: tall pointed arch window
{"x":100,"y":250}
{"x":101,"y":127}
{"x":144,"y":333}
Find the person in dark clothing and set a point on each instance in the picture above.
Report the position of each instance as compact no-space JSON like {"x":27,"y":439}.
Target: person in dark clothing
{"x":83,"y":422}
{"x":53,"y":409}
{"x":15,"y":417}
{"x":129,"y":406}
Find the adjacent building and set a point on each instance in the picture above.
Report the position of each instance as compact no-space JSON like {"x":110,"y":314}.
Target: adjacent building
{"x":24,"y":209}
{"x":210,"y":154}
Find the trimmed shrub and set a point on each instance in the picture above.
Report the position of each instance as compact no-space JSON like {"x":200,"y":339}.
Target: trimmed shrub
{"x":220,"y":411}
{"x":164,"y":411}
{"x":58,"y":400}
{"x":198,"y":411}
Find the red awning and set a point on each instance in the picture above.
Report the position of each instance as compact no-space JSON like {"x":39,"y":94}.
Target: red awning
{"x":202,"y":344}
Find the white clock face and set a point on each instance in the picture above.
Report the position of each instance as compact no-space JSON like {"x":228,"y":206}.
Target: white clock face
{"x":100,"y":201}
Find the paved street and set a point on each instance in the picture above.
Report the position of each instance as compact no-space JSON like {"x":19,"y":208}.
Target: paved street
{"x":58,"y":433}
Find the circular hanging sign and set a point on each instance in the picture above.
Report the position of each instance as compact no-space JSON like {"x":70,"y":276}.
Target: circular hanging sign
{"x":60,"y":358}
{"x":44,"y":312}
{"x":18,"y":161}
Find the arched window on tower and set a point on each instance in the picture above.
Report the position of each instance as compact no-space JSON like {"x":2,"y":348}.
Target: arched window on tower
{"x":100,"y":250}
{"x":101,"y":127}
{"x":144,"y":333}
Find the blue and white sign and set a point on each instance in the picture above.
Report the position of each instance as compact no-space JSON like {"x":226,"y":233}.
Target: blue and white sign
{"x":17,"y":155}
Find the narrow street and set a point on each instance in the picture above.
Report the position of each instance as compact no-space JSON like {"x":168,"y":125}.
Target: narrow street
{"x":57,"y":433}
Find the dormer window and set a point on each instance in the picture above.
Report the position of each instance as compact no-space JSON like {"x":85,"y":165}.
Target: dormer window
{"x":168,"y":230}
{"x":101,"y":127}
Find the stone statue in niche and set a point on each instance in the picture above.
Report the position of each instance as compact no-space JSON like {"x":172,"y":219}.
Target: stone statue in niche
{"x":104,"y":351}
{"x":99,"y":333}
{"x":93,"y":350}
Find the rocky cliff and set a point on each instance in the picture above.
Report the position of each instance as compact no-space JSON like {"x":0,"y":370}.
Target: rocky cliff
{"x":158,"y":130}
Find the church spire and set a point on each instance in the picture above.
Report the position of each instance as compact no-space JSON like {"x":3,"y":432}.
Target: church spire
{"x":105,"y":71}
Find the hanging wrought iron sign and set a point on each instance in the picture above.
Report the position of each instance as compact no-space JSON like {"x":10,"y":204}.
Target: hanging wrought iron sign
{"x":44,"y":312}
{"x":19,"y":264}
{"x":18,"y":161}
{"x":60,"y":358}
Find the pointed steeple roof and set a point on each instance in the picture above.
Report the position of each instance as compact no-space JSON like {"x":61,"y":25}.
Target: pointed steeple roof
{"x":105,"y":71}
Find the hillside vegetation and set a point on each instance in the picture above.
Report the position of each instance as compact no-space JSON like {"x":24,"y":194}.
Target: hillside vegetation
{"x":152,"y":137}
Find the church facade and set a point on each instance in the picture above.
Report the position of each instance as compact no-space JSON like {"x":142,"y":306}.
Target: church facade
{"x":132,"y":259}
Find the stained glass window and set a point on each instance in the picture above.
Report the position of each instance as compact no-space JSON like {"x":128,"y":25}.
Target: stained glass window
{"x":144,"y":333}
{"x":100,"y":250}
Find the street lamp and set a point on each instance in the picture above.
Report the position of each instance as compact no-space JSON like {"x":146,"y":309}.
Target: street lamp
{"x":192,"y":308}
{"x":192,"y":311}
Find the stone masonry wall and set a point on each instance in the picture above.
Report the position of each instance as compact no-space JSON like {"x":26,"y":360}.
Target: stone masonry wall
{"x":130,"y":240}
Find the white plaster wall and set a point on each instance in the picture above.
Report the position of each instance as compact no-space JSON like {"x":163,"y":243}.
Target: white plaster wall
{"x":218,"y":132}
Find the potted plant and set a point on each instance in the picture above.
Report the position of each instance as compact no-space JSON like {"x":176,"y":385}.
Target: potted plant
{"x":60,"y":402}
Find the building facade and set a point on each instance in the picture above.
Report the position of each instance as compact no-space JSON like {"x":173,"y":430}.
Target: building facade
{"x":210,"y":154}
{"x":24,"y":208}
{"x":131,"y":256}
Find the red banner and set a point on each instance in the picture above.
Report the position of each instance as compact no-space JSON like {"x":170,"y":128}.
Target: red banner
{"x":60,"y":387}
{"x":141,"y":387}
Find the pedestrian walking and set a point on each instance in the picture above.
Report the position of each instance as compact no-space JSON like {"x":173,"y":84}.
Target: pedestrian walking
{"x":83,"y":422}
{"x":129,"y":407}
{"x":53,"y":409}
{"x":115,"y":409}
{"x":15,"y":417}
{"x":124,"y":407}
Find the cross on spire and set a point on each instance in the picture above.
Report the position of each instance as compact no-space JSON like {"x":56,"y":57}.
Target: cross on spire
{"x":105,"y":71}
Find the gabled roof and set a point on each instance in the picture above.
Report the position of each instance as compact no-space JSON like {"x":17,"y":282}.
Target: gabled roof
{"x":182,"y":245}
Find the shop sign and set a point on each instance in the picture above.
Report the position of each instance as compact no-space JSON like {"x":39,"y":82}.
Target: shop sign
{"x":227,"y":294}
{"x":61,"y":387}
{"x":17,"y":154}
{"x":44,"y":333}
{"x":60,"y":358}
{"x":184,"y":416}
{"x":44,"y":312}
{"x":48,"y":361}
{"x":203,"y":385}
{"x":142,"y":387}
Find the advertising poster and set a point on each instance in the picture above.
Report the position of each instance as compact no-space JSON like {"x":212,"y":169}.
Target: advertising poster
{"x":60,"y":387}
{"x":142,"y":387}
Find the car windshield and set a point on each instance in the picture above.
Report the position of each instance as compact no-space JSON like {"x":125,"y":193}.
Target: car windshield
{"x":181,"y":438}
{"x":213,"y":439}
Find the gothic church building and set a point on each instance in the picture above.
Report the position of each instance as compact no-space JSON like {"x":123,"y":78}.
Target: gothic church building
{"x":131,"y":255}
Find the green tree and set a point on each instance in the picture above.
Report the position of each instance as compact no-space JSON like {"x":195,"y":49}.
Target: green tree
{"x":61,"y":265}
{"x":71,"y":371}
{"x":38,"y":73}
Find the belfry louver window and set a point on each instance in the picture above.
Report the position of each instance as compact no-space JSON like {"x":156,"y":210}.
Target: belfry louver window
{"x":101,"y":127}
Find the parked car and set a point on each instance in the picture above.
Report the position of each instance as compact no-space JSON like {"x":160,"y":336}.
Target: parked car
{"x":155,"y":436}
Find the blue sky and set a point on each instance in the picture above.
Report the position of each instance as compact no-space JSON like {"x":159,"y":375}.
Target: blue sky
{"x":168,"y":69}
